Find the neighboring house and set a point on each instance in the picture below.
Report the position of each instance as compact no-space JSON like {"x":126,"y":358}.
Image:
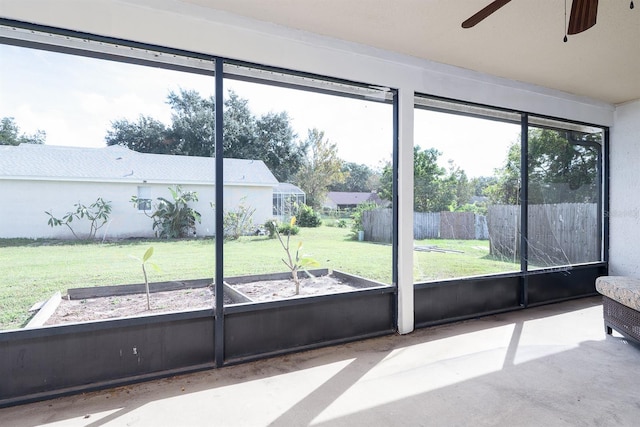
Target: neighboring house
{"x":349,"y":200}
{"x":39,"y":178}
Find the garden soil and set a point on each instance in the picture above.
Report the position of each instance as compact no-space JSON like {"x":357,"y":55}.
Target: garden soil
{"x":187,"y":299}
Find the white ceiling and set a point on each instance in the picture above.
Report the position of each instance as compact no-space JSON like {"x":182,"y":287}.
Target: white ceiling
{"x":523,"y":41}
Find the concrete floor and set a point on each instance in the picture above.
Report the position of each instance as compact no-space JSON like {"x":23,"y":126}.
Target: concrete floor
{"x":547,"y":366}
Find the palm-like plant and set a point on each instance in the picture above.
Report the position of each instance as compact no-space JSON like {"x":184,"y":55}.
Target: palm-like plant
{"x":175,"y":219}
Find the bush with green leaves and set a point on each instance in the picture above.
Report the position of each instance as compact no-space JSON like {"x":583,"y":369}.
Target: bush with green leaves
{"x":238,"y":222}
{"x":174,"y":219}
{"x":307,"y":217}
{"x":271,"y":225}
{"x":96,"y":213}
{"x":288,"y":229}
{"x":357,"y":216}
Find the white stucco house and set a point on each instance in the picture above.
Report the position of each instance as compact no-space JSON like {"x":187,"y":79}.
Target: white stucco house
{"x":39,"y":178}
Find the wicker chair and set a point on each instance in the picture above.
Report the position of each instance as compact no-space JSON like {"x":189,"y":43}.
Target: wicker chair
{"x":621,"y":305}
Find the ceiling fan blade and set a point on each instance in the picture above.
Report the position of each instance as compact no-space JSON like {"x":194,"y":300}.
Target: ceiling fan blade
{"x":583,"y":15}
{"x":482,"y":14}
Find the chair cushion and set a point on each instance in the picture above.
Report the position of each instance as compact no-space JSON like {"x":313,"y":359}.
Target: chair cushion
{"x":625,"y":290}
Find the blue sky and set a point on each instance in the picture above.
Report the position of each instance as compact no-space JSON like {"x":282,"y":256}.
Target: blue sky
{"x":74,"y":99}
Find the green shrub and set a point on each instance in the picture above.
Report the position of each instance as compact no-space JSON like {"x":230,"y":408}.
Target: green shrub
{"x":307,"y":217}
{"x":174,"y":219}
{"x":357,"y":216}
{"x":96,"y":213}
{"x":271,"y":226}
{"x":288,"y":229}
{"x":238,"y":222}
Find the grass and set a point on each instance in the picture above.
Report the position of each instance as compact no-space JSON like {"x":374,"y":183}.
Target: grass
{"x":467,"y":258}
{"x":33,"y":270}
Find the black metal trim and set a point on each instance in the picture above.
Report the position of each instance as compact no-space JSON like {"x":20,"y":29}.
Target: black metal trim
{"x":99,"y":325}
{"x":245,"y":359}
{"x":497,"y":276}
{"x":219,"y":225}
{"x":604,"y":211}
{"x":524,"y":206}
{"x":312,"y":299}
{"x":466,"y":317}
{"x":68,"y":391}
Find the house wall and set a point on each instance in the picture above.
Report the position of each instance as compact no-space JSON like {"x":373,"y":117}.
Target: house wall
{"x":624,"y":213}
{"x":22,"y":212}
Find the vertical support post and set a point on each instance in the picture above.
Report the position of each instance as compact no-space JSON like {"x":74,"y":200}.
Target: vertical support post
{"x":524,"y":207}
{"x":603,"y":211}
{"x":219,"y":197}
{"x":403,"y":199}
{"x":394,"y":204}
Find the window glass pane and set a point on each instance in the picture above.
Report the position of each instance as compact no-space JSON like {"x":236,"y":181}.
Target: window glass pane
{"x":564,"y":225}
{"x":466,"y":180}
{"x":303,"y":157}
{"x":88,"y":142}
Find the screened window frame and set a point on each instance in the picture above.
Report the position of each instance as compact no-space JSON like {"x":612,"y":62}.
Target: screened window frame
{"x":527,"y":120}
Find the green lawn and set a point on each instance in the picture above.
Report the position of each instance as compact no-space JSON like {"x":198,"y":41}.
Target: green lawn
{"x":466,"y":258}
{"x":34,"y":270}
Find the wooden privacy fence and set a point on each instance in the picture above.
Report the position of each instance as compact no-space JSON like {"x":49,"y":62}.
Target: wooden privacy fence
{"x":377,"y":225}
{"x":559,"y":234}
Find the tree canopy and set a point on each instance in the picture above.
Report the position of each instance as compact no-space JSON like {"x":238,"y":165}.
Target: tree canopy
{"x":321,"y":168}
{"x":563,"y":168}
{"x":435,"y":188}
{"x":10,"y":134}
{"x":358,"y":178}
{"x":269,"y":138}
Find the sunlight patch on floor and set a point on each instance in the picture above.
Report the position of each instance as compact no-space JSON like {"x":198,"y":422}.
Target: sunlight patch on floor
{"x":422,"y":368}
{"x":256,"y":402}
{"x":83,"y":420}
{"x":542,"y":337}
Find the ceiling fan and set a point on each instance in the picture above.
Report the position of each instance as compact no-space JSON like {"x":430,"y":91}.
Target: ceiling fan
{"x":583,"y":14}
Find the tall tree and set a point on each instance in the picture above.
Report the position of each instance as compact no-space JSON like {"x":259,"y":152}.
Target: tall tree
{"x":193,"y":124}
{"x":147,"y":135}
{"x":269,"y":138}
{"x":357,"y":178}
{"x":239,"y":129}
{"x":277,"y":144}
{"x":431,"y":191}
{"x":457,"y":187}
{"x":10,"y":134}
{"x":321,"y":168}
{"x":563,"y":167}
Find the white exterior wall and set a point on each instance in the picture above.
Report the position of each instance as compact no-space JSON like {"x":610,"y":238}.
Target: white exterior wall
{"x":252,"y":197}
{"x":180,"y":25}
{"x":624,"y":209}
{"x":22,"y":212}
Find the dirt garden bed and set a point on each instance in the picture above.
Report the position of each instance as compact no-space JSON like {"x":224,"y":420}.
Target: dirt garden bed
{"x":109,"y":302}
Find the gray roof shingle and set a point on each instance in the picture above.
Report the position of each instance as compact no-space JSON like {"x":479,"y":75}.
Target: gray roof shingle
{"x":117,"y":163}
